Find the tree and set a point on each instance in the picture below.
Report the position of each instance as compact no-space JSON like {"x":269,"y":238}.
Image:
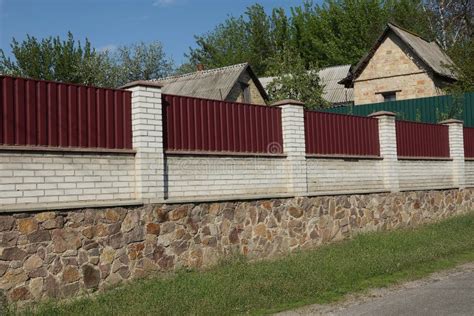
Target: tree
{"x":462,"y":55}
{"x":225,"y":45}
{"x":295,"y":81}
{"x":246,"y":38}
{"x":59,"y":60}
{"x":68,"y":61}
{"x":450,"y":20}
{"x":141,"y":61}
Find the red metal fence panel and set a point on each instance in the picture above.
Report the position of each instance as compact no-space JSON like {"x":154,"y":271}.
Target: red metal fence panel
{"x":44,"y":113}
{"x":469,"y":142}
{"x":201,"y":125}
{"x":338,"y":134}
{"x":422,"y":140}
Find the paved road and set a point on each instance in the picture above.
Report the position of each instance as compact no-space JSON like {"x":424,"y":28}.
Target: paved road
{"x":442,"y":294}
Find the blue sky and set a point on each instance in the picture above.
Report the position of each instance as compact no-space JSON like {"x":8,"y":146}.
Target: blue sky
{"x":109,"y":23}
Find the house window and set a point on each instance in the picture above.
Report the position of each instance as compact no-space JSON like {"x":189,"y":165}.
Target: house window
{"x":245,"y":92}
{"x":389,"y":96}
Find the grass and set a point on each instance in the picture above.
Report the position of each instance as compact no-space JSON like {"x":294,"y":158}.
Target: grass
{"x":322,"y":275}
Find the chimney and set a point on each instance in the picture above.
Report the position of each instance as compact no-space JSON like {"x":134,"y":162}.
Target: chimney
{"x":200,"y":67}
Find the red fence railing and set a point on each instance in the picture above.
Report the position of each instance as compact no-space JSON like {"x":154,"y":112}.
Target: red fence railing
{"x":422,"y":139}
{"x":43,"y":113}
{"x":337,"y":134}
{"x":201,"y":125}
{"x":468,"y":142}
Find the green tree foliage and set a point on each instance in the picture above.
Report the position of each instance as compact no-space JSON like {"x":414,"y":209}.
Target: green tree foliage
{"x":141,"y":61}
{"x":68,"y":61}
{"x":293,"y":77}
{"x":54,"y":59}
{"x":462,"y":55}
{"x":247,"y":38}
{"x":333,"y":33}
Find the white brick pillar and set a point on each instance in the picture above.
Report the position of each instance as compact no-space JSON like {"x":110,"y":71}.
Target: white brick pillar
{"x":294,"y":146}
{"x":388,"y":149}
{"x":456,"y":151}
{"x":147,"y":128}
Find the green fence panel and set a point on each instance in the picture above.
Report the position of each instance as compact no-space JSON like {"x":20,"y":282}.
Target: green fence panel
{"x":429,"y":110}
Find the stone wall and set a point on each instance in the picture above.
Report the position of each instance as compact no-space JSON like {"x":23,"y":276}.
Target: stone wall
{"x":61,"y":254}
{"x":394,"y":68}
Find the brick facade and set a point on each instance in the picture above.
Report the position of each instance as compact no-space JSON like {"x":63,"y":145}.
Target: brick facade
{"x":393,"y":68}
{"x":35,"y":178}
{"x":237,"y":95}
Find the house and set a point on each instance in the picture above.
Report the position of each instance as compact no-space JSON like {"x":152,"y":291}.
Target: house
{"x":400,"y":65}
{"x":236,"y":83}
{"x":333,"y":92}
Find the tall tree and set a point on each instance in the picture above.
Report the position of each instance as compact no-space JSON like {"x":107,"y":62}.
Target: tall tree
{"x":295,"y":80}
{"x":68,"y":61}
{"x":450,"y":20}
{"x":141,"y":61}
{"x":225,"y":45}
{"x":54,"y":59}
{"x":259,"y":39}
{"x":246,"y":38}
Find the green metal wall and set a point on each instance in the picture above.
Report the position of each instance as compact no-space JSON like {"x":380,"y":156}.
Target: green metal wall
{"x":430,"y":110}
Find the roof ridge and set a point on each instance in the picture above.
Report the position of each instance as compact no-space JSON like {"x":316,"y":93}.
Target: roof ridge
{"x":200,"y":72}
{"x":408,"y":31}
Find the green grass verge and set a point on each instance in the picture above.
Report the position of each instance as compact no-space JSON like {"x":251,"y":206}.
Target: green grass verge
{"x":322,"y":275}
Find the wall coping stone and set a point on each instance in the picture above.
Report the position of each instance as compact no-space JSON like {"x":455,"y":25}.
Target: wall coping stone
{"x":142,"y":83}
{"x":69,"y":150}
{"x":288,"y":102}
{"x":382,"y":113}
{"x":451,"y":121}
{"x":39,"y":207}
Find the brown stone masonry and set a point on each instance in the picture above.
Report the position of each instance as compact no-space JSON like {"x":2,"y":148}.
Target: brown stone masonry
{"x":60,"y":254}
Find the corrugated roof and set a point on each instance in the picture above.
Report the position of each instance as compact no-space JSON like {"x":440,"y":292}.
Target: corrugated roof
{"x":213,"y":84}
{"x":429,"y":52}
{"x":333,"y":91}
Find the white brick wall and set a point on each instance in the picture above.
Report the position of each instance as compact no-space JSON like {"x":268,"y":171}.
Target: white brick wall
{"x":292,"y":117}
{"x":195,"y":176}
{"x":425,"y":174}
{"x":456,"y":151}
{"x":388,"y":151}
{"x":342,"y":176}
{"x":147,"y":128}
{"x":46,"y":178}
{"x":469,"y":178}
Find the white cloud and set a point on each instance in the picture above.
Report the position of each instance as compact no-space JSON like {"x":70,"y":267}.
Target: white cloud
{"x":163,"y":3}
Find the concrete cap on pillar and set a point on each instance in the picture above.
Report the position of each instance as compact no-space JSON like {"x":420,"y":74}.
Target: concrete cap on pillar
{"x":288,"y":102}
{"x":142,"y":83}
{"x":451,"y":121}
{"x":382,"y":113}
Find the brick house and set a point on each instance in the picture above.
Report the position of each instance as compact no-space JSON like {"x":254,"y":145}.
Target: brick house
{"x":236,"y":83}
{"x":400,"y":65}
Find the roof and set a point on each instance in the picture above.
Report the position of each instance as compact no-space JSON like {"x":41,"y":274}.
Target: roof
{"x":213,"y":84}
{"x":429,"y":52}
{"x":333,"y":91}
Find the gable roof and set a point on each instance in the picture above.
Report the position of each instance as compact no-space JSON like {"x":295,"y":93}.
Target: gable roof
{"x":333,"y":91}
{"x":429,"y":52}
{"x":213,"y":84}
